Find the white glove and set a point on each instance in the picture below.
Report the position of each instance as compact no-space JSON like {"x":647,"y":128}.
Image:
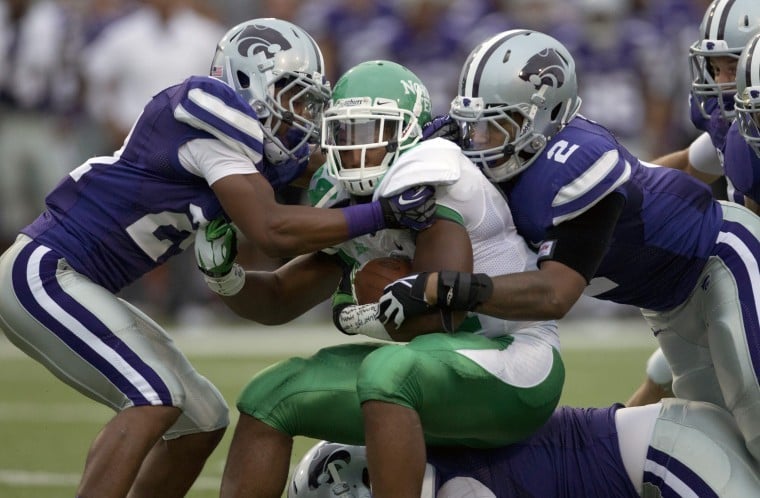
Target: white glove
{"x":215,"y":251}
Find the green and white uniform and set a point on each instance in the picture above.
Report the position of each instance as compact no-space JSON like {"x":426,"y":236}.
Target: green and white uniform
{"x":491,"y":383}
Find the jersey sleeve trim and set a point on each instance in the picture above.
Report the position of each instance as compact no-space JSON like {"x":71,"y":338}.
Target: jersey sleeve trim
{"x":604,"y":176}
{"x":210,"y":113}
{"x":446,"y":213}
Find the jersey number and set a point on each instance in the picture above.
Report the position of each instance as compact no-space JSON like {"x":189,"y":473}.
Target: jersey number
{"x":157,"y":233}
{"x":561,"y":151}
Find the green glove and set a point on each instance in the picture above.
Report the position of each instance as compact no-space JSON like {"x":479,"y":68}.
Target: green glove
{"x":216,"y":248}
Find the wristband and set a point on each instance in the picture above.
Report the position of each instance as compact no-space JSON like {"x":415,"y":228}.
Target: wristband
{"x":364,"y":218}
{"x":361,"y":319}
{"x":463,"y":291}
{"x":229,"y":284}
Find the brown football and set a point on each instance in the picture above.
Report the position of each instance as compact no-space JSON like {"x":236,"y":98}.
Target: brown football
{"x":372,"y":278}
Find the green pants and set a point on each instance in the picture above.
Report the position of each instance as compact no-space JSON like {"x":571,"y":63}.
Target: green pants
{"x":459,"y":401}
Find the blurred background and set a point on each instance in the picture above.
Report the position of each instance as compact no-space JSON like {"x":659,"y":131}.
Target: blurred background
{"x":74,"y":75}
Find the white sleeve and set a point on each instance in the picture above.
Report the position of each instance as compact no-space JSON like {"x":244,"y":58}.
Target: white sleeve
{"x":703,"y":156}
{"x":212,"y":159}
{"x":434,"y":162}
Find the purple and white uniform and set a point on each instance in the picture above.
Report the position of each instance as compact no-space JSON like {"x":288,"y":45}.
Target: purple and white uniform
{"x":676,"y":449}
{"x":107,"y":223}
{"x":686,"y":259}
{"x":742,"y":165}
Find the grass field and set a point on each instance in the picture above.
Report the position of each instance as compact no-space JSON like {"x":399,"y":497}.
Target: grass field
{"x":46,"y":428}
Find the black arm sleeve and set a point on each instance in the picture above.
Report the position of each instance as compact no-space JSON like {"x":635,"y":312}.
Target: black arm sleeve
{"x":581,"y":242}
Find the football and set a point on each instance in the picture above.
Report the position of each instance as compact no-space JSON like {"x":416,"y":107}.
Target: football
{"x":371,"y":279}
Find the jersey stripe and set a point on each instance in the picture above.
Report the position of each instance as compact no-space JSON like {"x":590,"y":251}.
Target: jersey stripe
{"x":235,"y":128}
{"x":82,"y":331}
{"x":673,"y":478}
{"x":737,"y":249}
{"x":604,"y":176}
{"x":471,"y":87}
{"x":718,"y":18}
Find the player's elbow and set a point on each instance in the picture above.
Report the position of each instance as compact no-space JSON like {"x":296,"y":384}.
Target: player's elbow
{"x":278,"y":240}
{"x":556,"y":309}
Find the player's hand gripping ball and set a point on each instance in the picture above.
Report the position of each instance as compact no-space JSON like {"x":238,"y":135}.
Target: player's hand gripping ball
{"x":371,"y":279}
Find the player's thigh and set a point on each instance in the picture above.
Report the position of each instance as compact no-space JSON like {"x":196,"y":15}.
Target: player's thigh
{"x":95,"y":342}
{"x":734,"y":337}
{"x":683,"y":338}
{"x":468,"y":389}
{"x":696,"y":448}
{"x":314,"y":396}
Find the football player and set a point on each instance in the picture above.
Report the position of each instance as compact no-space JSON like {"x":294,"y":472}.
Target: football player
{"x":490,"y":383}
{"x":674,"y":448}
{"x":726,"y":28}
{"x":210,"y":146}
{"x":743,"y":140}
{"x":603,"y":223}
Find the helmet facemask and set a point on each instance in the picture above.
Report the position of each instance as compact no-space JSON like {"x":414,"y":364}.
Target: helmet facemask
{"x":293,"y":111}
{"x":376,"y":113}
{"x":498,"y":138}
{"x":350,"y":128}
{"x":747,"y":99}
{"x":706,"y":92}
{"x":748,"y":118}
{"x":726,"y":27}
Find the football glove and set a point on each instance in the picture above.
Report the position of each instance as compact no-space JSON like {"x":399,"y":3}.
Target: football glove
{"x":215,"y":251}
{"x":457,"y":291}
{"x":442,"y":127}
{"x":279,"y":167}
{"x":403,"y":299}
{"x":413,"y":208}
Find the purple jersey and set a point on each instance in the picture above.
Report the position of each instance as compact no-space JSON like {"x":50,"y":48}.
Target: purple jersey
{"x":666,"y":231}
{"x":741,"y":164}
{"x":116,"y":218}
{"x":574,"y":454}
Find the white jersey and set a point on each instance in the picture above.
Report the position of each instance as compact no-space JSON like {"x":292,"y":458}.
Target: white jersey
{"x":463,"y":195}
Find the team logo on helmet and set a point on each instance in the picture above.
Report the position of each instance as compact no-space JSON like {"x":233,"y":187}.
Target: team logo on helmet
{"x":261,"y":39}
{"x":547,"y":67}
{"x":318,"y":468}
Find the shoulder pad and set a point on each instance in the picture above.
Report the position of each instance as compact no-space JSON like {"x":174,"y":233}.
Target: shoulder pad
{"x":325,"y":190}
{"x":434,"y":162}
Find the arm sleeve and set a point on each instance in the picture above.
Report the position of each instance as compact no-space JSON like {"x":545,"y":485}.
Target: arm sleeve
{"x":581,"y":242}
{"x":704,"y":157}
{"x":213,"y":160}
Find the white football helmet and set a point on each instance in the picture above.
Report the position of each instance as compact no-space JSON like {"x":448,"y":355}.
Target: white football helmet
{"x":726,"y":28}
{"x":278,"y":69}
{"x":517,"y":90}
{"x":747,"y":98}
{"x":333,"y":470}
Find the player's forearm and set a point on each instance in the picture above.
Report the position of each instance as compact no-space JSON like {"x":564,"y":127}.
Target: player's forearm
{"x":518,"y":296}
{"x":293,"y":230}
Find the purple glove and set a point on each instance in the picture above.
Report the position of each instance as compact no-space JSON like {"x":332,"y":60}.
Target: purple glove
{"x":413,"y":208}
{"x":280,"y":168}
{"x":717,"y":125}
{"x":442,"y":127}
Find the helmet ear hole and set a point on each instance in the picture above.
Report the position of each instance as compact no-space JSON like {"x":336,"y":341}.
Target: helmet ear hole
{"x":243,"y":80}
{"x":556,"y":111}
